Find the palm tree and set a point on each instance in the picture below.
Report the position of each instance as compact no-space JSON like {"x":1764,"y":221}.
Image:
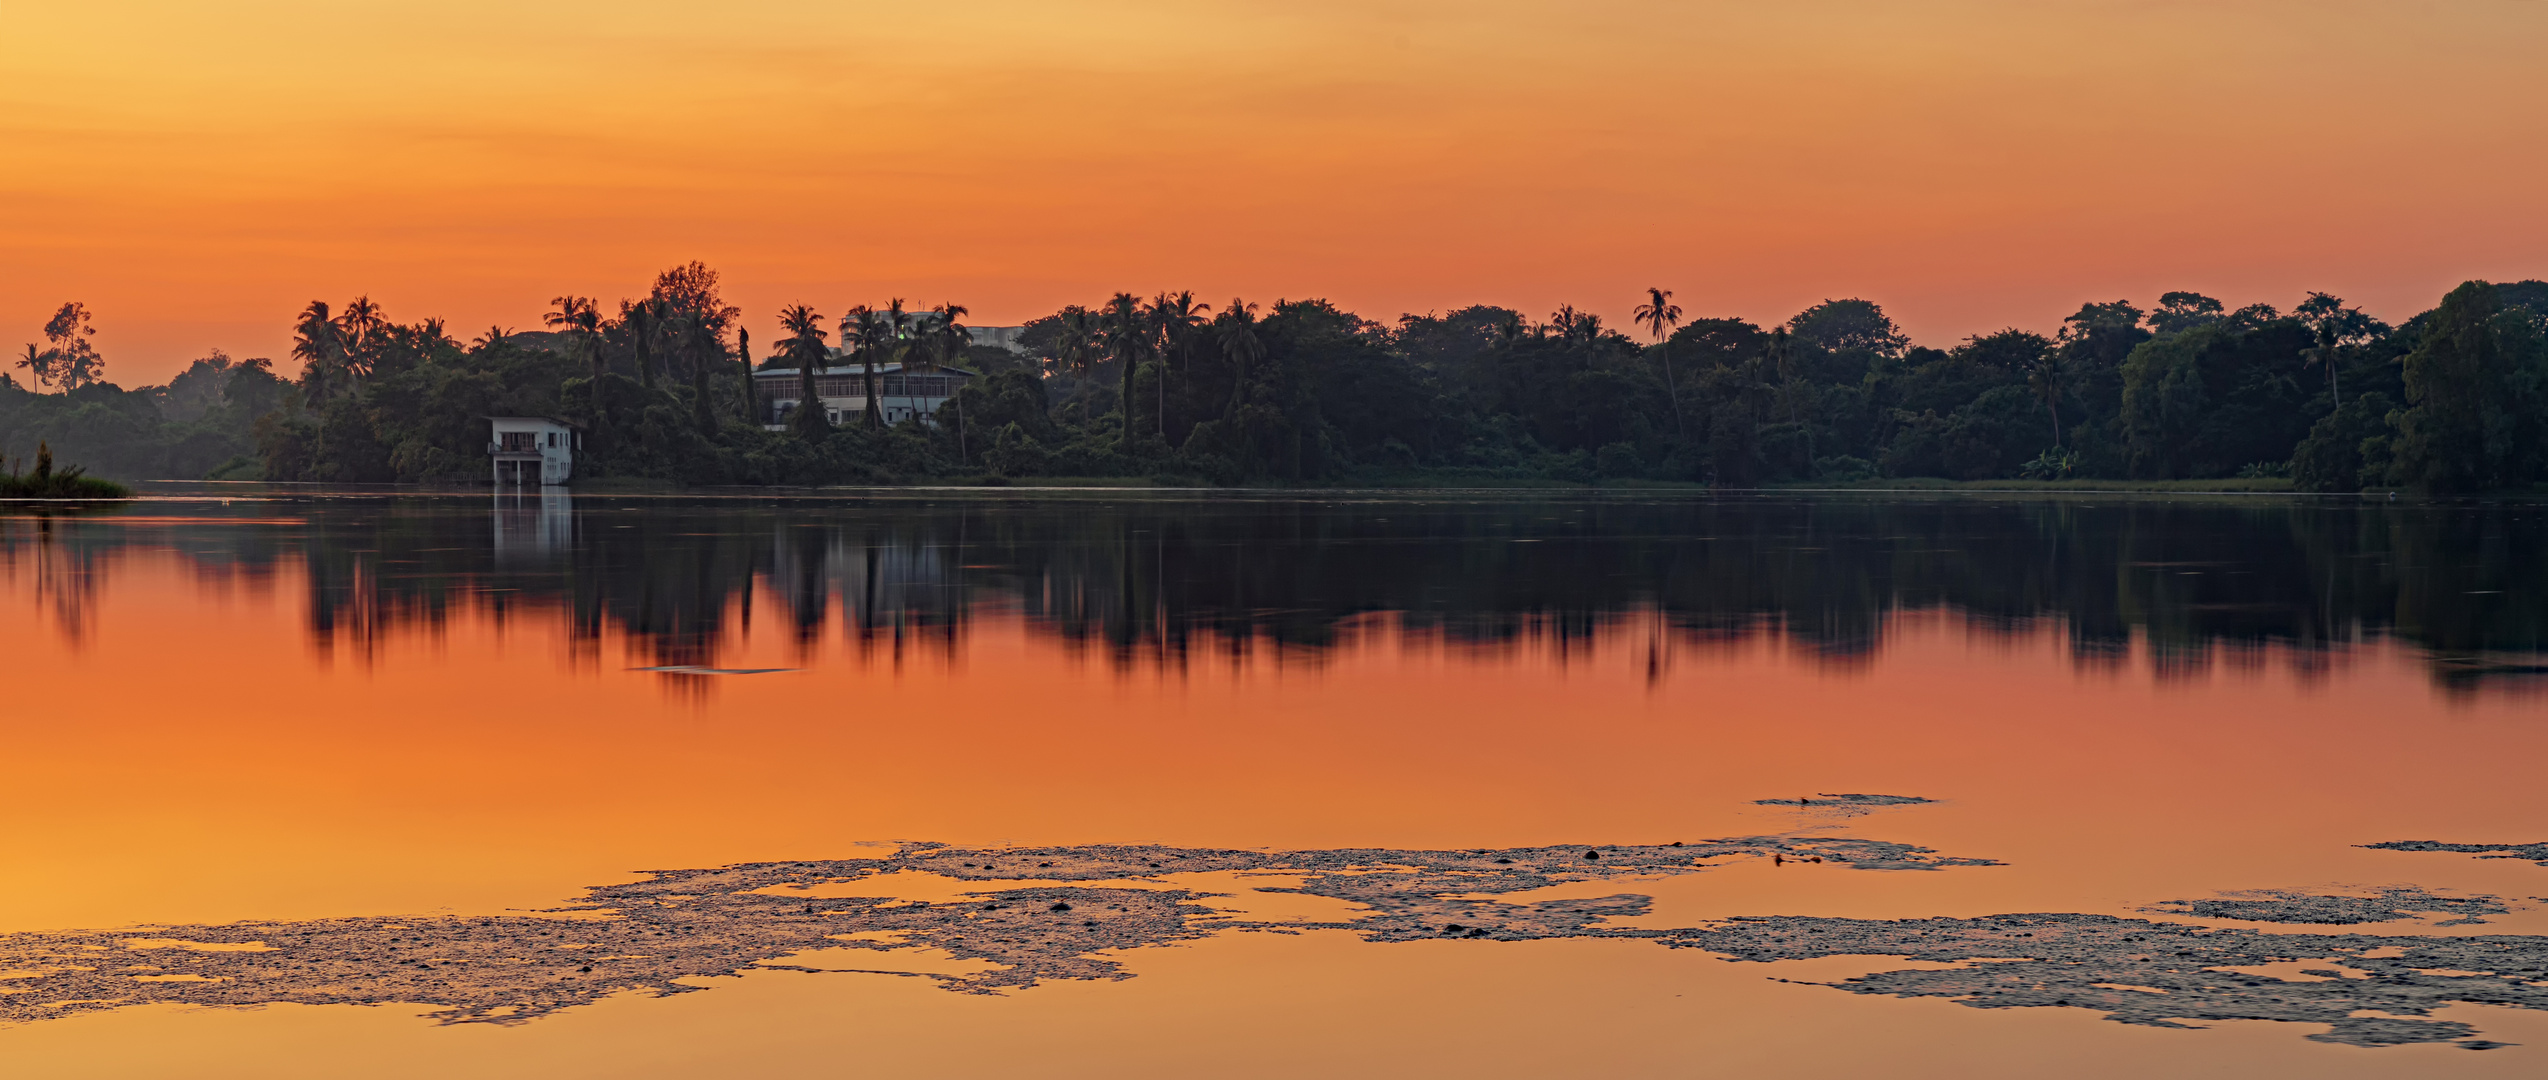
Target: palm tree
{"x":40,"y":364}
{"x":863,"y":329}
{"x":743,"y":353}
{"x":1177,"y":317}
{"x":2048,"y":375}
{"x":1075,"y":349}
{"x":1659,"y":315}
{"x":947,"y":341}
{"x":2336,"y":325}
{"x":581,"y":321}
{"x":1235,"y":331}
{"x":805,"y":345}
{"x":362,"y":331}
{"x":319,"y":344}
{"x":1127,"y":332}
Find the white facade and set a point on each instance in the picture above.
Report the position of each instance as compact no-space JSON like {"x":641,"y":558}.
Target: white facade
{"x":531,"y":450}
{"x":900,"y":395}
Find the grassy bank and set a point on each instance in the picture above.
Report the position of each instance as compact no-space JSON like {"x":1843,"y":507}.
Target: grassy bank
{"x":45,"y":482}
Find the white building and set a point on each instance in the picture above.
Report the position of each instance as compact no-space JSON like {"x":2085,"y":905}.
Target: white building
{"x":531,"y":450}
{"x":900,"y":395}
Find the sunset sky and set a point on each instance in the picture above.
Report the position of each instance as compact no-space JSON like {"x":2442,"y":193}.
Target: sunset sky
{"x":196,"y":173}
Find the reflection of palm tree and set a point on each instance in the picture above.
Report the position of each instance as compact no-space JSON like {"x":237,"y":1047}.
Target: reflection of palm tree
{"x":1659,"y":315}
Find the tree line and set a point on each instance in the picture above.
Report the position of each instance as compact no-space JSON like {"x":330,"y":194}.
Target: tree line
{"x":1300,"y":391}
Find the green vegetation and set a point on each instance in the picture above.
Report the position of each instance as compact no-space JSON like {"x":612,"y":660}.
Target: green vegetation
{"x":45,"y":482}
{"x":1170,"y":390}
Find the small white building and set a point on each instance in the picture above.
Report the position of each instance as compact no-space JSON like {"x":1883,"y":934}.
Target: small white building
{"x":900,"y":395}
{"x":532,"y":450}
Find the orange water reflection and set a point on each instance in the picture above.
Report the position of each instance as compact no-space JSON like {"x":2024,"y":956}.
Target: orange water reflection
{"x":189,"y":750}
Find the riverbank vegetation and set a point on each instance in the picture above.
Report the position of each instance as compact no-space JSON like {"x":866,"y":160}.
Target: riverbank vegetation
{"x":43,"y":481}
{"x":1175,"y":389}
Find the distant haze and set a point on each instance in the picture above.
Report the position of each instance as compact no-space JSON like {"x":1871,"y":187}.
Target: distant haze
{"x":197,"y":173}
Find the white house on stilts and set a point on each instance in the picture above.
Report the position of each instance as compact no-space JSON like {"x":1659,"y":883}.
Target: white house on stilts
{"x":532,"y":450}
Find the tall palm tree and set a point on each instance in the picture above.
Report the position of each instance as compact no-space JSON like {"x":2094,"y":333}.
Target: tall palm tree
{"x":640,"y":318}
{"x":860,"y":329}
{"x":40,"y":364}
{"x":1659,"y":315}
{"x":1178,"y":318}
{"x":945,"y":344}
{"x":805,"y":345}
{"x":743,"y":354}
{"x":580,"y":320}
{"x":1076,"y":348}
{"x":319,"y":344}
{"x":2048,"y":375}
{"x":1127,"y":335}
{"x":1235,"y":332}
{"x":2335,"y":325}
{"x":362,"y":332}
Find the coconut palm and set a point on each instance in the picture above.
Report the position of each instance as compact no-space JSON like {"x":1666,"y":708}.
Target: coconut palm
{"x":1178,"y":318}
{"x":743,"y":371}
{"x":581,"y":321}
{"x":805,"y":345}
{"x":319,"y":344}
{"x":2335,"y":326}
{"x":40,"y":364}
{"x":361,"y":330}
{"x":1659,"y":315}
{"x":1126,"y":329}
{"x":2048,"y":375}
{"x":1235,"y":332}
{"x":862,"y":328}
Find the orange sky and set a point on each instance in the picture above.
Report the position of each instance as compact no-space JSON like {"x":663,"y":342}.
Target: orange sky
{"x":196,"y":173}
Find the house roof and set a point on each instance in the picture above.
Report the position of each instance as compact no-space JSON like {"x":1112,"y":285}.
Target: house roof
{"x":893,"y":368}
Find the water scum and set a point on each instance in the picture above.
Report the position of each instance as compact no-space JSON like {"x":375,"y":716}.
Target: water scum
{"x":1090,"y":903}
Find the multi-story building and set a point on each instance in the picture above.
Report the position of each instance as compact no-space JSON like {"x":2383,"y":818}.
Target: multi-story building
{"x":842,"y":389}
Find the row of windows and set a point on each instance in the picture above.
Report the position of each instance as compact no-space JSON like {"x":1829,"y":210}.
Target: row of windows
{"x":840,"y":386}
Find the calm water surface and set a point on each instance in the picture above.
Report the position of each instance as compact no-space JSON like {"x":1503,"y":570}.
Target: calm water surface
{"x":346,"y":784}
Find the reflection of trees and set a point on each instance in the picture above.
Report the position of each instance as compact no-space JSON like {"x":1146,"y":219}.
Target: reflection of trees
{"x":62,"y":574}
{"x":1146,"y":579}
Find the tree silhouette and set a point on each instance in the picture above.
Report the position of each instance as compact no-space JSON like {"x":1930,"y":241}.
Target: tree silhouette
{"x":1179,"y":319}
{"x":1235,"y":332}
{"x":1659,"y":315}
{"x":805,"y":346}
{"x":2048,"y":375}
{"x":1126,"y":329}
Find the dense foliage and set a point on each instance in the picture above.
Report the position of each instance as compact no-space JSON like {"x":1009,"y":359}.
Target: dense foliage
{"x":2453,"y":400}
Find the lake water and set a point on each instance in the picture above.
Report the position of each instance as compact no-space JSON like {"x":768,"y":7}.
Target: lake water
{"x":1145,"y":784}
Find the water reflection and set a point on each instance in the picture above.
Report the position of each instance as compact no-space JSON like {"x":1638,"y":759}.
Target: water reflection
{"x":1151,"y":580}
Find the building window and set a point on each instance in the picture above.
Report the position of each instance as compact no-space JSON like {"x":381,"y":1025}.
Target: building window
{"x":521,"y":440}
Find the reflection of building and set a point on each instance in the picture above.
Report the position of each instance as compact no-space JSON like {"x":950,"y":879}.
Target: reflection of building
{"x":537,"y":525}
{"x":900,"y":395}
{"x":531,"y":449}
